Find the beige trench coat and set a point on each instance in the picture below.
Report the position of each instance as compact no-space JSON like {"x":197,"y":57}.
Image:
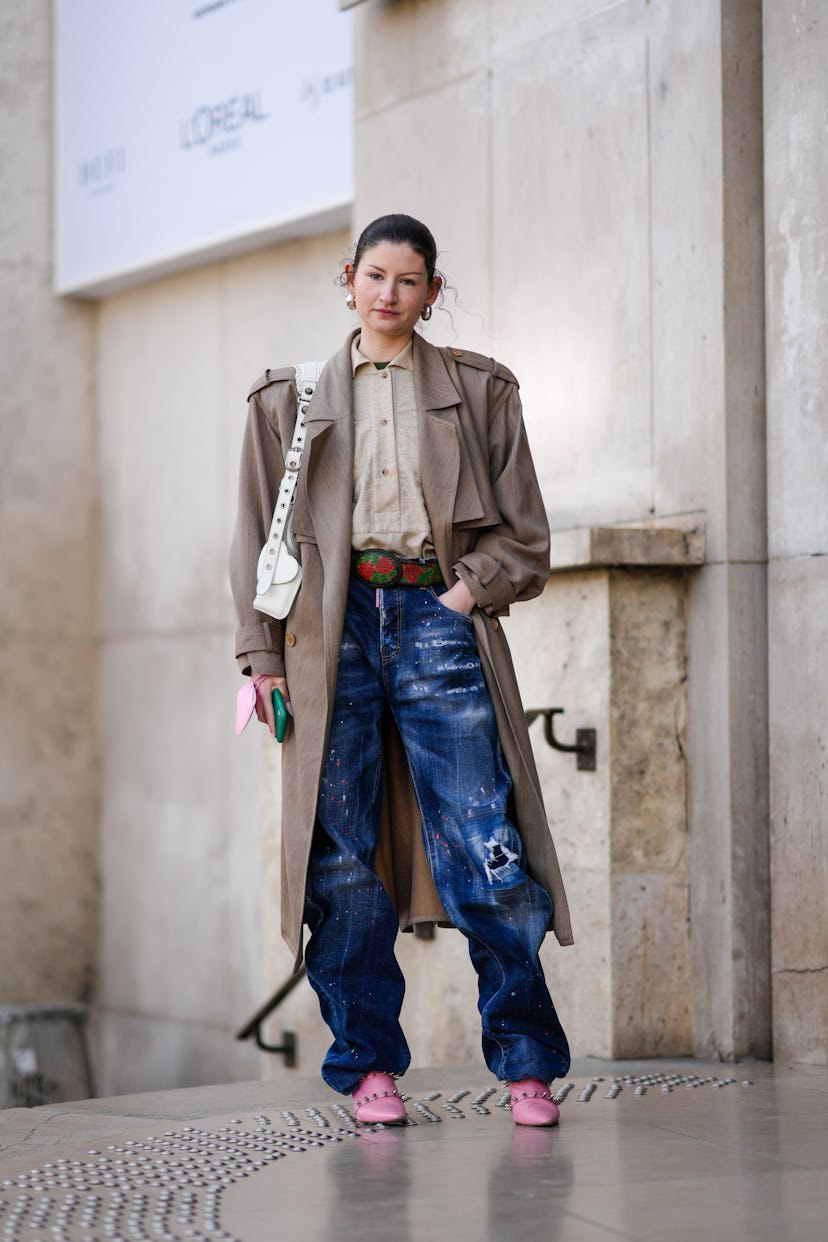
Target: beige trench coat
{"x":488,"y":526}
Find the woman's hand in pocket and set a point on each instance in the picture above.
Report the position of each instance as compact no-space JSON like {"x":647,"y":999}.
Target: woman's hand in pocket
{"x":458,"y":598}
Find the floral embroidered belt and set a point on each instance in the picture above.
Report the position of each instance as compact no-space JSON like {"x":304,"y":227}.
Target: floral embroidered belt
{"x":380,"y":568}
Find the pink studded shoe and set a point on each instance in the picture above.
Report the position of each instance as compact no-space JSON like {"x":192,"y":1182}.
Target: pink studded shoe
{"x":532,"y":1103}
{"x":376,"y":1099}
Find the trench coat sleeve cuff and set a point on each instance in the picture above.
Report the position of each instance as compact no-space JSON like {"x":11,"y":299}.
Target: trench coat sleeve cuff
{"x":255,"y":663}
{"x":259,"y":649}
{"x":488,"y":582}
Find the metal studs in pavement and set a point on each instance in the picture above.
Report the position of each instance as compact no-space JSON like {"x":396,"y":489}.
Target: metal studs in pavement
{"x":425,"y":1112}
{"x":170,"y":1186}
{"x":316,"y":1117}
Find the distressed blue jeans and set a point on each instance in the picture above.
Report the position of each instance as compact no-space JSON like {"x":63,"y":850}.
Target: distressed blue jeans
{"x":404,"y":651}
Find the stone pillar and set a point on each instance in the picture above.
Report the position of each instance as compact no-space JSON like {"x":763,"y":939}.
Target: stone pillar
{"x":48,"y":560}
{"x":727,"y":616}
{"x":609,"y":644}
{"x":796,"y":223}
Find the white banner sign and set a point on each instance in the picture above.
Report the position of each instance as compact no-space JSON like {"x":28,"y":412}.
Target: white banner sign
{"x":188,"y":129}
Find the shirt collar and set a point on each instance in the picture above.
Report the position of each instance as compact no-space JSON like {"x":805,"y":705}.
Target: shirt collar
{"x":404,"y":359}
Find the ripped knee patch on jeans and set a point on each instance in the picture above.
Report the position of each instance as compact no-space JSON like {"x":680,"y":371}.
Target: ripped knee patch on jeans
{"x":499,"y":861}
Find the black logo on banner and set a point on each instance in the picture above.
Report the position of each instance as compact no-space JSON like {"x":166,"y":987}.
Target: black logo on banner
{"x":217,"y":128}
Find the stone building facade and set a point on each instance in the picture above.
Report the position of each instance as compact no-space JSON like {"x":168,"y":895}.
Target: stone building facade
{"x":628,"y":197}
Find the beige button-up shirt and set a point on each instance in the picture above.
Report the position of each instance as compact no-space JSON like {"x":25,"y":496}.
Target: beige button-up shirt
{"x":389,"y":510}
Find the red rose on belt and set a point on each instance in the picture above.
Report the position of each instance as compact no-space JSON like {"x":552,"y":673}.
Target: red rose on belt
{"x":384,"y":565}
{"x":412,"y":573}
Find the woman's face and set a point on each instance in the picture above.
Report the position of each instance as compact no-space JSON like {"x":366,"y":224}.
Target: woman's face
{"x":390,"y":289}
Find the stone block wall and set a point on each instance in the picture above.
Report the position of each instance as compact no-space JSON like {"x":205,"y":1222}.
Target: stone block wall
{"x":49,"y":750}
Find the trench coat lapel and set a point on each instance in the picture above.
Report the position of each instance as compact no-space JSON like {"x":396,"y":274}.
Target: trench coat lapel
{"x":329,"y":456}
{"x":448,"y":490}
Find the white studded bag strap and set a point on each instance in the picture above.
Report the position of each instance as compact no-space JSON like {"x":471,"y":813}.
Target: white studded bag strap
{"x":307,"y":375}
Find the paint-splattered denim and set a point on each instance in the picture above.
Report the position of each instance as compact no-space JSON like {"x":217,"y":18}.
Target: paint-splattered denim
{"x":418,"y":658}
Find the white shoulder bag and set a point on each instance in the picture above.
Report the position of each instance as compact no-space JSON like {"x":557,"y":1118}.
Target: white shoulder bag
{"x":279,"y":572}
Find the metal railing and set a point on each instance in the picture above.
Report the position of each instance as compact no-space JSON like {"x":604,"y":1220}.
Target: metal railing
{"x":253,"y":1026}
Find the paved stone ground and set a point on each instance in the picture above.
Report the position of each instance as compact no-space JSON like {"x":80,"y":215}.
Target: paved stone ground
{"x":655,"y":1151}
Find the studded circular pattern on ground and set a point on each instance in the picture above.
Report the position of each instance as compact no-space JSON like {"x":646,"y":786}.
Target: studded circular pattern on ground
{"x":168,"y":1187}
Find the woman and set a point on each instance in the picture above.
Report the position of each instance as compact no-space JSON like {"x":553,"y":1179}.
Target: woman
{"x":409,"y":788}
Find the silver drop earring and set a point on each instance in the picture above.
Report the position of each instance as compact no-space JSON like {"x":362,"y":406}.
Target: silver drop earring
{"x":425,"y":313}
{"x":350,"y":300}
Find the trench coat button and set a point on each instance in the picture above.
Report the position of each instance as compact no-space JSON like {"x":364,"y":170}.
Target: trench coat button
{"x":290,"y":639}
{"x":458,"y":353}
{"x":495,"y":623}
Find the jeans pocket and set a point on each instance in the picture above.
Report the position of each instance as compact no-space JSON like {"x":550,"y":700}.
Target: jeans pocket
{"x":453,"y":612}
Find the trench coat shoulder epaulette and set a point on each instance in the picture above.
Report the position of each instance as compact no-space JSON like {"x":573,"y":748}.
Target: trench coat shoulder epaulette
{"x":482,"y":363}
{"x":271,"y":376}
